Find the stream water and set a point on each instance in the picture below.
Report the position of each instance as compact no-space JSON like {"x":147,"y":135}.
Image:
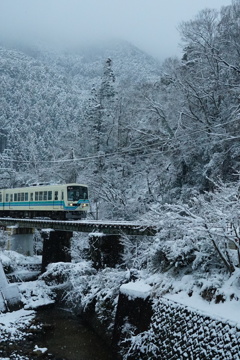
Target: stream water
{"x":68,"y":339}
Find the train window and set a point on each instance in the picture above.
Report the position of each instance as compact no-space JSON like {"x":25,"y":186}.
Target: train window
{"x":55,"y":195}
{"x":7,"y":197}
{"x":26,"y":197}
{"x":62,"y":195}
{"x":22,"y":196}
{"x":11,"y":197}
{"x":36,"y":195}
{"x":1,"y":197}
{"x":75,"y":193}
{"x":31,"y":196}
{"x":15,"y":197}
{"x":49,"y":195}
{"x":18,"y":197}
{"x":45,"y":195}
{"x":40,"y":195}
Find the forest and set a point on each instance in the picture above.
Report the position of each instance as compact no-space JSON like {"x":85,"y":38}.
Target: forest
{"x":148,"y":138}
{"x":158,"y":142}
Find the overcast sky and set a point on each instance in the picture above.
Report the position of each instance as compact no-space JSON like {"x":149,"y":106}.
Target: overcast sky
{"x":149,"y":24}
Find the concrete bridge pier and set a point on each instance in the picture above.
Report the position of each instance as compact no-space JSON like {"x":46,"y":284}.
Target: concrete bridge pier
{"x":20,"y":240}
{"x":105,"y":250}
{"x":56,"y":247}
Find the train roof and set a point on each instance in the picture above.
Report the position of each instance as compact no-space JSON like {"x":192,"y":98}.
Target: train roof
{"x":43,"y":185}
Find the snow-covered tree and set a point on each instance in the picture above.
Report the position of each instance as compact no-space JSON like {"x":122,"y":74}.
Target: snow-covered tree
{"x":197,"y":235}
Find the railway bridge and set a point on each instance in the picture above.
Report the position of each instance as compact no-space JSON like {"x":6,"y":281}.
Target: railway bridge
{"x":104,"y":226}
{"x":104,"y":237}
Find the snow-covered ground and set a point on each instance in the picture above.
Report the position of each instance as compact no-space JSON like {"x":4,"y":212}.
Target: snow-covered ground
{"x":17,"y":325}
{"x":185,"y":292}
{"x":12,"y":324}
{"x":229,"y":310}
{"x":33,"y":294}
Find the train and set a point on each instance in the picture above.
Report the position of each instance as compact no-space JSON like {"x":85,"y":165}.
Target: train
{"x":56,"y":202}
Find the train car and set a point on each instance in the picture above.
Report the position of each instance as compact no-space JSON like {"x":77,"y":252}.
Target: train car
{"x":67,"y":201}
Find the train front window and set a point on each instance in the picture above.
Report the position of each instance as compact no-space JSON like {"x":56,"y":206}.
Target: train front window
{"x":75,"y":193}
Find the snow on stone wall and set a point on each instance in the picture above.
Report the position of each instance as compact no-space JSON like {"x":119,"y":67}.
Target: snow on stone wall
{"x":178,"y":332}
{"x":136,"y":289}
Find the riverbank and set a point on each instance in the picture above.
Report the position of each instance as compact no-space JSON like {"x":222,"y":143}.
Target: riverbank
{"x":49,"y":333}
{"x":40,"y":329}
{"x":113,"y":302}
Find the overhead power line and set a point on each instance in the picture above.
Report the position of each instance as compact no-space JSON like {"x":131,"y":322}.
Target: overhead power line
{"x":92,"y":157}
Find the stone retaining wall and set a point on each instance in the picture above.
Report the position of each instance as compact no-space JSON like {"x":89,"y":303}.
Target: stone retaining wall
{"x":178,"y":332}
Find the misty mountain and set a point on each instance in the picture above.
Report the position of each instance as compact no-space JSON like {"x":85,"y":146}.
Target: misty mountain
{"x":130,"y":64}
{"x":46,"y":100}
{"x":84,"y":65}
{"x":156,"y":132}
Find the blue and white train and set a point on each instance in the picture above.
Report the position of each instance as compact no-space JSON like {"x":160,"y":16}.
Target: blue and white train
{"x":61,"y":202}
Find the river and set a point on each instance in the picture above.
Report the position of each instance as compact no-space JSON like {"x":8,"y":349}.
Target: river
{"x":68,"y":339}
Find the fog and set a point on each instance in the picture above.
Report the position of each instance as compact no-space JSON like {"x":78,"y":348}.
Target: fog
{"x":151,"y":25}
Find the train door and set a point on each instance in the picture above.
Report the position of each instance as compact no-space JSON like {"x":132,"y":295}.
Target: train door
{"x":56,"y":199}
{"x":1,"y":200}
{"x":31,"y":200}
{"x":10,"y":201}
{"x":7,"y":201}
